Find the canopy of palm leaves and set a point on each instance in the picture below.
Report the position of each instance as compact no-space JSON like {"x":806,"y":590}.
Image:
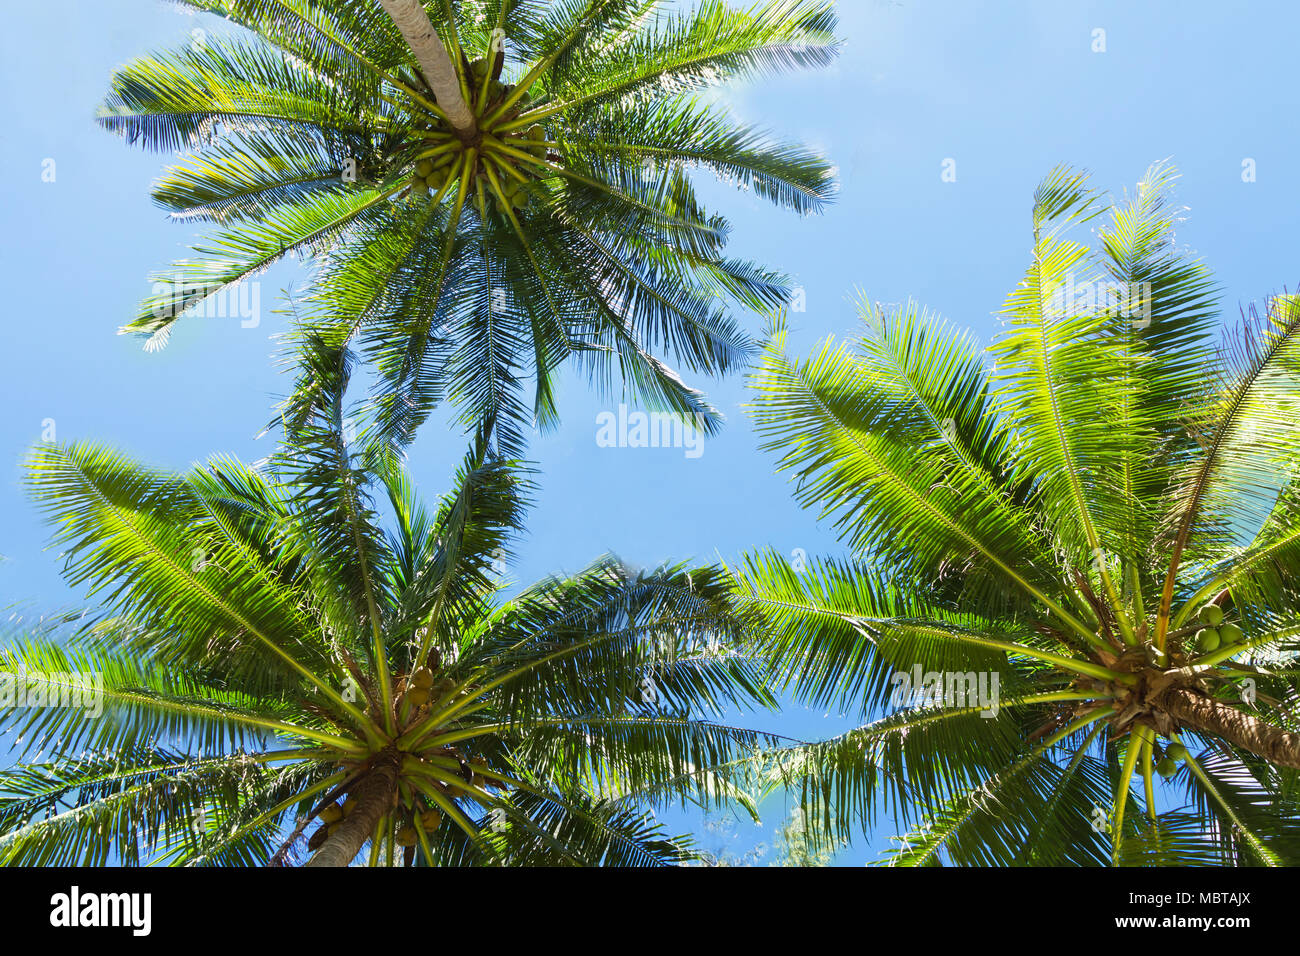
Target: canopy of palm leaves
{"x":563,"y":225}
{"x":1058,"y":511}
{"x":267,"y":648}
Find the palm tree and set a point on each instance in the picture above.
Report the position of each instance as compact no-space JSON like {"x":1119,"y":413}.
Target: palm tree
{"x":1102,"y":514}
{"x":268,"y":650}
{"x":461,"y":255}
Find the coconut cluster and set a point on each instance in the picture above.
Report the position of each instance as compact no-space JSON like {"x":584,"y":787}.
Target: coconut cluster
{"x":505,"y":162}
{"x":1175,"y":754}
{"x":1217,"y":633}
{"x":431,"y":774}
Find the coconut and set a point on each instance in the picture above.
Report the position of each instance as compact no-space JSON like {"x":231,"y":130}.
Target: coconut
{"x":422,"y":678}
{"x":479,"y":67}
{"x":430,"y":820}
{"x":417,"y":696}
{"x":423,"y":168}
{"x":1176,"y":752}
{"x":407,"y":836}
{"x":331,"y":814}
{"x":1212,"y":615}
{"x":349,"y":805}
{"x":446,"y":685}
{"x":333,"y":827}
{"x":1207,"y":639}
{"x":1167,"y":768}
{"x":535,"y":135}
{"x":1230,"y":634}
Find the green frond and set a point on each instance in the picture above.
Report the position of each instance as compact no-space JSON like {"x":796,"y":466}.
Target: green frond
{"x":101,"y":810}
{"x":183,"y":99}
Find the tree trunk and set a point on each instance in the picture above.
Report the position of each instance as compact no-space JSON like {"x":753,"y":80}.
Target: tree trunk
{"x":435,"y":63}
{"x":1215,"y":718}
{"x":374,"y":796}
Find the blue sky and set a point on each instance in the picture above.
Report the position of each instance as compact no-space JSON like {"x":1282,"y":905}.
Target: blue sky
{"x":1004,"y":90}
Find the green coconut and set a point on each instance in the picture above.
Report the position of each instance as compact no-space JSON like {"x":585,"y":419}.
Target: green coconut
{"x":331,"y":814}
{"x":407,"y":836}
{"x":430,"y":820}
{"x":1211,"y":614}
{"x":1176,"y":752}
{"x":1167,"y":768}
{"x":1207,"y":639}
{"x":423,"y":168}
{"x":534,"y":144}
{"x":1230,"y":634}
{"x":423,"y":677}
{"x":349,"y":805}
{"x":417,"y":696}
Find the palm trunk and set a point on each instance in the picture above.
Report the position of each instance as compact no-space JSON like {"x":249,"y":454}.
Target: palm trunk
{"x":435,"y":63}
{"x":374,"y":796}
{"x":1215,"y":718}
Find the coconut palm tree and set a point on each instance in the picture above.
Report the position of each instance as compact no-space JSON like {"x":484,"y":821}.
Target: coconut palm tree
{"x":269,"y":650}
{"x":462,"y":254}
{"x":1100,"y":511}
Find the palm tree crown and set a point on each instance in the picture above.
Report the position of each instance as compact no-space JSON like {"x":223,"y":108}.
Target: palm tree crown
{"x":1102,"y":516}
{"x":268,"y":649}
{"x":557,"y":221}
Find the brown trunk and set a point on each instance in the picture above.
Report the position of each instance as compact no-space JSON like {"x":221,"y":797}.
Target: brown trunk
{"x":435,"y":63}
{"x":1217,"y":719}
{"x":374,"y":795}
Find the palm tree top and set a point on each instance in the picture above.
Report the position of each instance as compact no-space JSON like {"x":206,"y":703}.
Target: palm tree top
{"x":274,"y":655}
{"x":553,"y":218}
{"x":1100,"y":509}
